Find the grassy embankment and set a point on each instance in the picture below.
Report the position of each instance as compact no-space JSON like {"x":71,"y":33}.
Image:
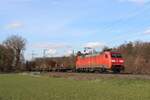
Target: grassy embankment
{"x":19,"y":87}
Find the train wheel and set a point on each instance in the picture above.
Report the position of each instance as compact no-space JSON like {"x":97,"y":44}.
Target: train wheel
{"x":116,"y":71}
{"x":102,"y":70}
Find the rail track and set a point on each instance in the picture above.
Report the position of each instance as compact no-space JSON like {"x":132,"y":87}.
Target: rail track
{"x":93,"y":76}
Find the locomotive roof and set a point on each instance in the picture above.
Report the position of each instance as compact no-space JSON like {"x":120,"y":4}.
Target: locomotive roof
{"x":97,"y":53}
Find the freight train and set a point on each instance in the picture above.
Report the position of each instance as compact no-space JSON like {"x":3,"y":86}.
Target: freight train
{"x":94,"y":62}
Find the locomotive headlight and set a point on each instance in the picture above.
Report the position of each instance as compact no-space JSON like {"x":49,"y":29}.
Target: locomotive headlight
{"x":113,"y":61}
{"x":121,"y":61}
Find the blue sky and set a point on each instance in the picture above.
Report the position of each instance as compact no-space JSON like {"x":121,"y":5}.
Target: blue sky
{"x":63,"y":25}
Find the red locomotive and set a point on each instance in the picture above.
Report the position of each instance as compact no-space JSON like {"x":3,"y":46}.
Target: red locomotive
{"x":107,"y":60}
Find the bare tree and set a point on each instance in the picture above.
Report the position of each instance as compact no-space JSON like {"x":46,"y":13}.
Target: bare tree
{"x":17,"y":44}
{"x":137,"y":56}
{"x":6,"y":59}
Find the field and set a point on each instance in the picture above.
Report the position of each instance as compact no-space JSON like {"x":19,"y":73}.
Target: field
{"x":46,"y":87}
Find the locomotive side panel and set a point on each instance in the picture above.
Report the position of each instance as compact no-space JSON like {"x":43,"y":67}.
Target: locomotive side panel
{"x":96,"y":61}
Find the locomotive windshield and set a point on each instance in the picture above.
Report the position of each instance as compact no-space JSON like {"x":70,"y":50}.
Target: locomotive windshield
{"x":116,"y":55}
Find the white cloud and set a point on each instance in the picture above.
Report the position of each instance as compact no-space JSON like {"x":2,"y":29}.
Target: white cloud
{"x":68,"y":52}
{"x":147,"y":31}
{"x":51,"y":49}
{"x":51,"y":52}
{"x":95,"y":45}
{"x":14,"y":25}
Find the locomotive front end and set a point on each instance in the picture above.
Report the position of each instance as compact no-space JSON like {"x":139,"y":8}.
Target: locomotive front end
{"x":117,"y":62}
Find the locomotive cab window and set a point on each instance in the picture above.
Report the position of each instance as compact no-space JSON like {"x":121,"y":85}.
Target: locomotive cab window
{"x":116,"y":55}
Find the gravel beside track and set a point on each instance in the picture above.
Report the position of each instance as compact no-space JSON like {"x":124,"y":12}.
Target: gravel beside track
{"x":93,"y":76}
